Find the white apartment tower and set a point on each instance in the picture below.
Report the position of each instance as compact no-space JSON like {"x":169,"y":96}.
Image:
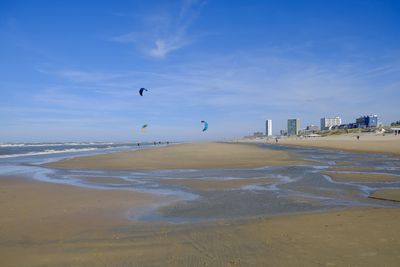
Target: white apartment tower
{"x":268,"y":127}
{"x":328,"y":123}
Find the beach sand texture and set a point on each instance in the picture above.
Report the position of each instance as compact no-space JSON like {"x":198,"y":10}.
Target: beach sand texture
{"x":387,"y":194}
{"x":185,"y":156}
{"x":56,"y":225}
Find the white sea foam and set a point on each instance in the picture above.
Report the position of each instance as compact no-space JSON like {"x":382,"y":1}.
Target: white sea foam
{"x":49,"y":151}
{"x":55,"y":144}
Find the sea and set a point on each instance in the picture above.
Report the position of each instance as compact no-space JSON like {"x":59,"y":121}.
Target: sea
{"x":10,"y":150}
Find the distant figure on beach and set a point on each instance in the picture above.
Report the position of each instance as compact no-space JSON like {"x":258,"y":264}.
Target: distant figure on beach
{"x":138,"y":144}
{"x":276,"y":140}
{"x":358,"y":137}
{"x":155,"y":143}
{"x":167,"y":142}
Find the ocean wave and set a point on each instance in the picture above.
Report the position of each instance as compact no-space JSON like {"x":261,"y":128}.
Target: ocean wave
{"x":48,"y":151}
{"x":56,"y":144}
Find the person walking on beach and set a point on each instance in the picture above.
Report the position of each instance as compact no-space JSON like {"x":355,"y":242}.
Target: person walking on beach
{"x":276,"y":140}
{"x":358,"y":137}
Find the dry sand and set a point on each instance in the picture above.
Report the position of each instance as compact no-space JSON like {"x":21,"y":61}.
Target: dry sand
{"x":185,"y":156}
{"x":368,"y":143}
{"x":56,"y":225}
{"x":362,"y":177}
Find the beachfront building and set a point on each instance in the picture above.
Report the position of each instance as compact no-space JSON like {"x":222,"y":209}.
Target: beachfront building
{"x":293,"y":126}
{"x":329,"y":123}
{"x":312,"y":128}
{"x":367,"y":121}
{"x":268,"y":128}
{"x":258,"y":134}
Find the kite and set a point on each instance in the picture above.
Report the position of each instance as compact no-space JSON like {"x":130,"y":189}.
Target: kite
{"x":205,"y":125}
{"x":141,"y":91}
{"x":143,"y":127}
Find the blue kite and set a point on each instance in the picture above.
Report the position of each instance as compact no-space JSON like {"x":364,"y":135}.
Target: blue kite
{"x":205,"y":125}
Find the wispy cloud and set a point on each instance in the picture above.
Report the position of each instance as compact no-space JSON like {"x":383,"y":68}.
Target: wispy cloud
{"x":80,"y":75}
{"x":165,"y":33}
{"x":241,"y":87}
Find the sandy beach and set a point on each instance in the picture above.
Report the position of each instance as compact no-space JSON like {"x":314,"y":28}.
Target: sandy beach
{"x":368,"y":143}
{"x":44,"y":224}
{"x":185,"y":156}
{"x":56,"y":225}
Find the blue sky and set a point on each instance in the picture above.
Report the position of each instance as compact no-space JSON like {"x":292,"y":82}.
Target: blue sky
{"x":70,"y":70}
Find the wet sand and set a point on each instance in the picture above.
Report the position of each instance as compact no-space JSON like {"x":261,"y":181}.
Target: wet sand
{"x":351,"y":168}
{"x":104,"y":180}
{"x":185,"y":156}
{"x":368,"y":143}
{"x":207,"y":184}
{"x":387,"y":194}
{"x":362,"y":177}
{"x":57,"y":225}
{"x":26,"y":204}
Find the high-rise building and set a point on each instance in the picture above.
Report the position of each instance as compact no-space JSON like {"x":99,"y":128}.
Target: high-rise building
{"x":268,"y":127}
{"x":367,"y":121}
{"x":293,"y":126}
{"x":328,"y":123}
